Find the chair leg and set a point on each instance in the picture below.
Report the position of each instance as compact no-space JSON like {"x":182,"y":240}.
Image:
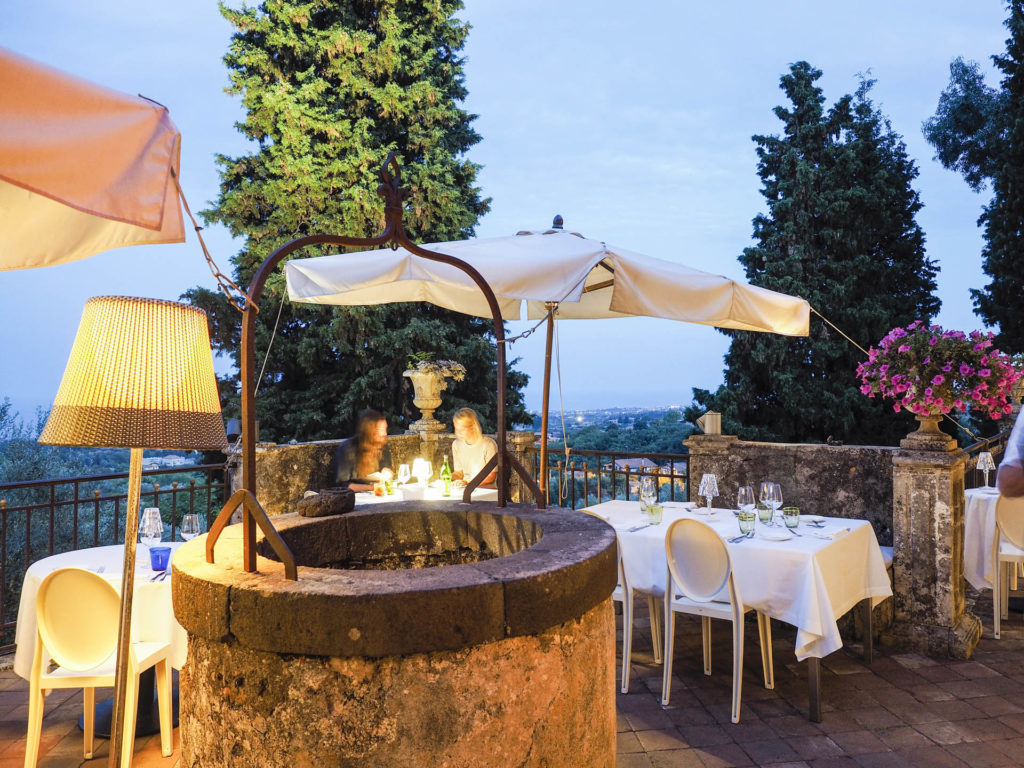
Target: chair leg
{"x":131,"y":703}
{"x":997,"y":598}
{"x":163,"y":693}
{"x":627,"y":640}
{"x":764,"y":627}
{"x":670,"y":636}
{"x":35,"y":725}
{"x":654,"y":609}
{"x":705,"y":631}
{"x":1005,"y":590}
{"x":88,"y":719}
{"x":737,"y":666}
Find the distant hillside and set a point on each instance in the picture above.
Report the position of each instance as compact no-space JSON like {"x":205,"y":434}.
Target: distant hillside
{"x":632,"y":430}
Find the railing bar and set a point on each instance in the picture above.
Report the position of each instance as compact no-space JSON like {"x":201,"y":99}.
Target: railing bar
{"x":53,"y":498}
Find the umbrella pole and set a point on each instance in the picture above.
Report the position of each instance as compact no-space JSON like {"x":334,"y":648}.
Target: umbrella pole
{"x":546,"y":399}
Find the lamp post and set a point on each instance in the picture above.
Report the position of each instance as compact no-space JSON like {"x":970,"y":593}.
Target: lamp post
{"x":140,"y":375}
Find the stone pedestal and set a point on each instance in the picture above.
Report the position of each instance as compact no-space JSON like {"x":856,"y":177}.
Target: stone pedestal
{"x":427,"y":388}
{"x":928,"y":567}
{"x":521,"y":445}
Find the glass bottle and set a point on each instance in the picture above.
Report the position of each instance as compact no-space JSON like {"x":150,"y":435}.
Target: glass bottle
{"x":446,"y":476}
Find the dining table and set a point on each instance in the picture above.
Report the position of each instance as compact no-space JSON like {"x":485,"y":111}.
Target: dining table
{"x":979,"y":532}
{"x":416,"y":492}
{"x":152,"y":618}
{"x":807,"y":577}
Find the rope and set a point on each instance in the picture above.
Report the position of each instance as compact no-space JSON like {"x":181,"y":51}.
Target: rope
{"x":273,"y":335}
{"x":224,"y":283}
{"x":564,"y":486}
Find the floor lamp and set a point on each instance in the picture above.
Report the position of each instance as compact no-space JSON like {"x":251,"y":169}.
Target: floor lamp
{"x":140,"y":375}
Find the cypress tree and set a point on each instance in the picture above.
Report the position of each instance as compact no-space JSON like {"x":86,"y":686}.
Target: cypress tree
{"x":979,"y":132}
{"x":839,"y":231}
{"x":329,"y":89}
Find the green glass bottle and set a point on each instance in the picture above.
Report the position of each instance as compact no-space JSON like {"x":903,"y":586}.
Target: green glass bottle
{"x":446,"y":476}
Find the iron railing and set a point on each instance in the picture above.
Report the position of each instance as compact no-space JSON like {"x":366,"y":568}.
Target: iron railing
{"x":590,"y":477}
{"x":39,"y":518}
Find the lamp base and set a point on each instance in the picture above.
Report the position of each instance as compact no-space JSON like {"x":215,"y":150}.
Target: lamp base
{"x":147,"y":719}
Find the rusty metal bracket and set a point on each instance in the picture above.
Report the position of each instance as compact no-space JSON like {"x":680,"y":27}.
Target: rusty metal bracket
{"x":244,"y":498}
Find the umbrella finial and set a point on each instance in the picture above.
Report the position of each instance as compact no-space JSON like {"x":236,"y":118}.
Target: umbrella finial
{"x":557,"y":222}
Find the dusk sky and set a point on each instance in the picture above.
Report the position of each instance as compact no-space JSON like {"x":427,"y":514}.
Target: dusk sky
{"x":633,"y":123}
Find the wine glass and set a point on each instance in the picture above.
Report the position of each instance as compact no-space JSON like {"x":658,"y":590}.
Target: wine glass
{"x":776,"y":500}
{"x":425,"y":473}
{"x":190,"y":526}
{"x":708,"y":487}
{"x":404,"y":473}
{"x":648,"y":491}
{"x":151,"y":531}
{"x":766,"y":501}
{"x":745,"y":499}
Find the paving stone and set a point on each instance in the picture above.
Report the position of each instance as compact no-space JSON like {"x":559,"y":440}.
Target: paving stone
{"x":859,"y":742}
{"x":676,"y":758}
{"x":669,"y":738}
{"x":980,"y":755}
{"x":903,"y":737}
{"x":724,"y":756}
{"x":770,"y":751}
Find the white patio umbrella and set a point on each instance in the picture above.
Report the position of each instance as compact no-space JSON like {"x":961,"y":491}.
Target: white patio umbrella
{"x":553,"y":271}
{"x":83,"y":168}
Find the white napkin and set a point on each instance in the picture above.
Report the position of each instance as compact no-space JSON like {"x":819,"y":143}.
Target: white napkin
{"x":829,"y":534}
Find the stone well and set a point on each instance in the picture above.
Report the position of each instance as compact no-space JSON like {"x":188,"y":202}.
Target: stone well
{"x":441,"y":635}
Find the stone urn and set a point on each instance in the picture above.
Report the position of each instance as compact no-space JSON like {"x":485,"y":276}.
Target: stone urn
{"x":928,"y":436}
{"x":427,"y":387}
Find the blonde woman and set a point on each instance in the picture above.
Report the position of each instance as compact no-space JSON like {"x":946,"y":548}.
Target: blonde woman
{"x":471,"y":449}
{"x":365,"y":457}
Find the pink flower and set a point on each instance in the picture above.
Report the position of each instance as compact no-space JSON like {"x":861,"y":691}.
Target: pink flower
{"x":985,"y":372}
{"x":865,"y":389}
{"x":938,"y":379}
{"x":965,"y":369}
{"x":904,"y":348}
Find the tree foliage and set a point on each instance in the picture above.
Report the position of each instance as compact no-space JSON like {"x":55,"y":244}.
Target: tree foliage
{"x":839,"y":231}
{"x":330,"y":88}
{"x":978,"y":131}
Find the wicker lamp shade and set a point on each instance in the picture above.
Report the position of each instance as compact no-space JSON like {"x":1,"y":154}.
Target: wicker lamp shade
{"x":140,"y":375}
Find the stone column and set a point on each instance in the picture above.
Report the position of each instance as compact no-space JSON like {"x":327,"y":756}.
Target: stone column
{"x":521,"y":445}
{"x":711,"y":454}
{"x":928,"y":542}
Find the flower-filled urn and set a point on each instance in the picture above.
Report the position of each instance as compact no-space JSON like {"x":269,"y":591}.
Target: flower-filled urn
{"x":429,"y":380}
{"x":931,"y":372}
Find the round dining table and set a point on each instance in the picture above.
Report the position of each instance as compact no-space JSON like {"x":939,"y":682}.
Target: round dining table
{"x":152,"y":617}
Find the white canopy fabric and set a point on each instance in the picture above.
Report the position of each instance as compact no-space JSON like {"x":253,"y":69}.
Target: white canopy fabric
{"x":83,"y":169}
{"x":587,"y":278}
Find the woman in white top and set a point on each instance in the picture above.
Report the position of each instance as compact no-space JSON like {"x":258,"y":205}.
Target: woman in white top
{"x":1011,"y":469}
{"x":471,"y":449}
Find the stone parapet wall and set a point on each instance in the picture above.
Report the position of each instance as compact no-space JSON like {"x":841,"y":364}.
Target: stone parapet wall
{"x":854,"y":481}
{"x":285,"y":472}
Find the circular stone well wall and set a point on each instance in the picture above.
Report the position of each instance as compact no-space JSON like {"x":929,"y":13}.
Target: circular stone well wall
{"x":438,"y":634}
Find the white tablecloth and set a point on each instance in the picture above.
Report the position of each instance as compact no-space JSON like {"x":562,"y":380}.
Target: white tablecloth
{"x":152,"y":613}
{"x":431,"y":493}
{"x":806,"y":581}
{"x":979,"y":530}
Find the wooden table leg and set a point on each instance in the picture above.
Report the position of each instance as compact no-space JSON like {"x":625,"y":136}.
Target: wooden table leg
{"x":869,"y":635}
{"x":814,"y":689}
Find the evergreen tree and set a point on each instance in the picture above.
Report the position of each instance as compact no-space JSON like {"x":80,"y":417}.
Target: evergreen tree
{"x":330,"y":88}
{"x":979,"y":132}
{"x":840,"y":232}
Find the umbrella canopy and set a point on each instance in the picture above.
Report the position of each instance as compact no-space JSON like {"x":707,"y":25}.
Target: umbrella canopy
{"x":587,"y":278}
{"x":83,"y":169}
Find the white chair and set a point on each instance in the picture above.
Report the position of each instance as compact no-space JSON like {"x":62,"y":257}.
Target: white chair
{"x":1007,"y":548}
{"x":77,"y":617}
{"x":624,"y":594}
{"x":699,"y":569}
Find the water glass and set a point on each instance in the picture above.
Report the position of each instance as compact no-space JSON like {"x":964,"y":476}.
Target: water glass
{"x":791,"y":516}
{"x":746,"y":520}
{"x":764,"y":513}
{"x":404,"y":473}
{"x":190,"y":526}
{"x":648,"y":492}
{"x":654,"y":513}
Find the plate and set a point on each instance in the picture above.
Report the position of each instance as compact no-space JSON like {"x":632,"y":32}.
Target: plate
{"x":814,"y":519}
{"x":770,"y":535}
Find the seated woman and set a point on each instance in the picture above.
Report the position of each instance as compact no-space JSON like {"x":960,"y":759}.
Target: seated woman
{"x":471,"y":449}
{"x":363,"y":459}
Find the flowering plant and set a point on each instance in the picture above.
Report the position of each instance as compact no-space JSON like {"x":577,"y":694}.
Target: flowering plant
{"x":424,"y":362}
{"x":930,"y":371}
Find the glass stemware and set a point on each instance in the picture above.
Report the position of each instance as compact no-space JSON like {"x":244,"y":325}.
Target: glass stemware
{"x":190,"y":526}
{"x":767,"y":503}
{"x":426,"y":471}
{"x":151,"y":530}
{"x":404,"y":473}
{"x":745,"y":499}
{"x":648,"y":491}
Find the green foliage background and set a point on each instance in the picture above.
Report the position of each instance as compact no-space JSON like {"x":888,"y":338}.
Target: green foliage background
{"x":330,"y":89}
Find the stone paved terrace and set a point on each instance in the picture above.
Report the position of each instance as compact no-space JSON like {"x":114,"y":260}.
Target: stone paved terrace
{"x":905,"y":710}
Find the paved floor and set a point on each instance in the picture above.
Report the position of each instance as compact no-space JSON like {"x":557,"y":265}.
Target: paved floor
{"x":905,"y":710}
